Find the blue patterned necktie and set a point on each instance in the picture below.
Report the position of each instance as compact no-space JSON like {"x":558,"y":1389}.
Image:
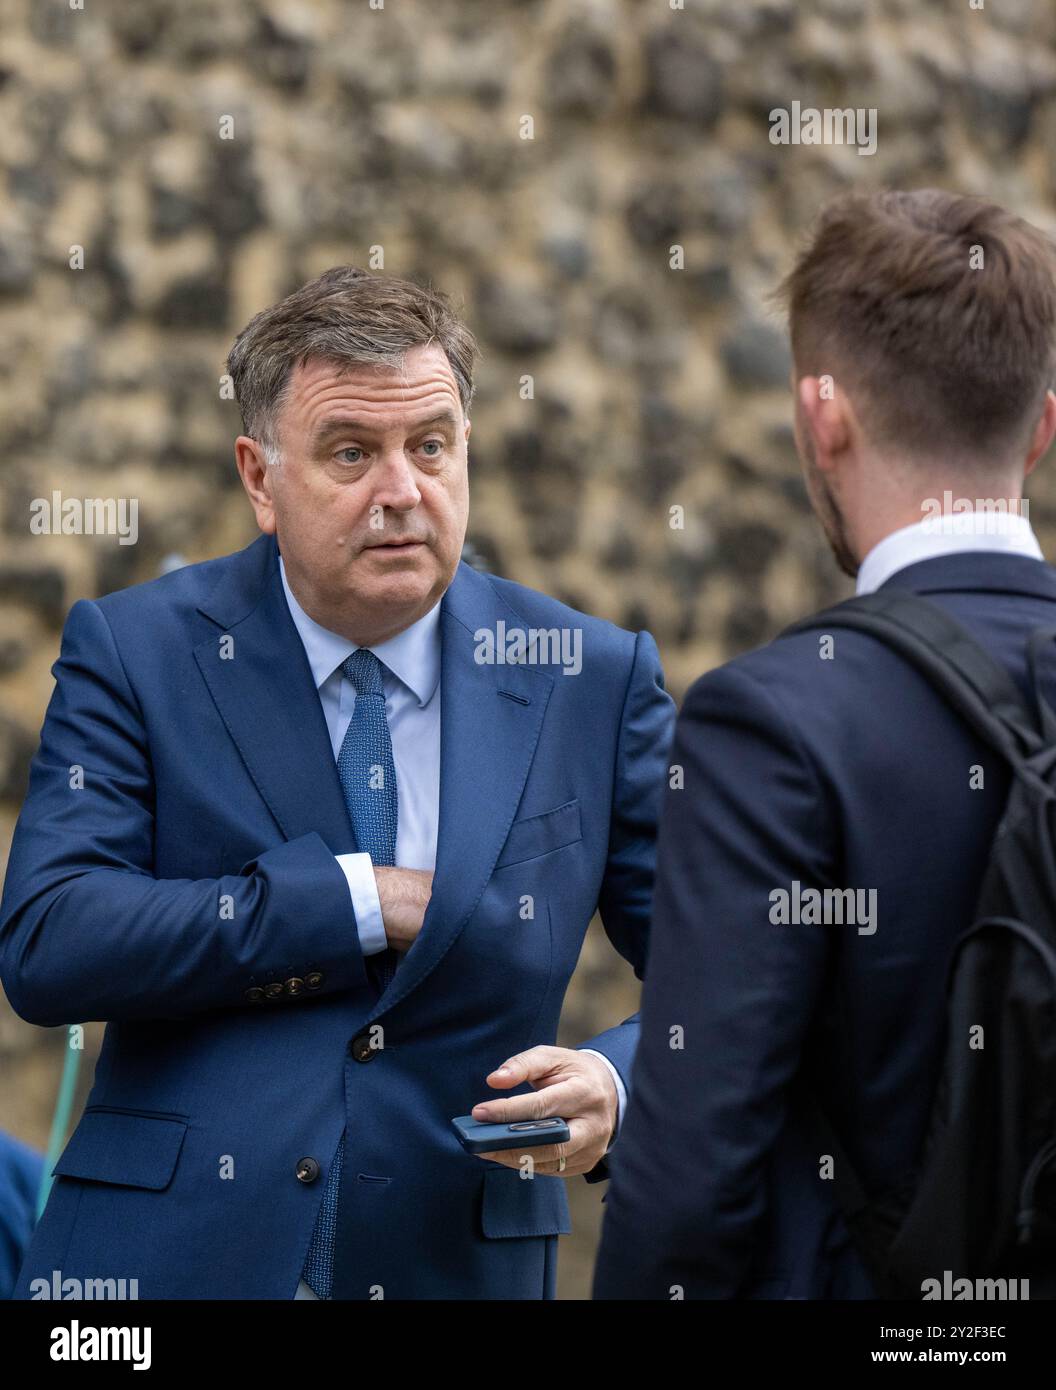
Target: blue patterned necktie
{"x":368,"y":780}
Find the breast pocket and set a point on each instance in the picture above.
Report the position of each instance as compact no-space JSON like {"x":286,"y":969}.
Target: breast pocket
{"x":538,"y":835}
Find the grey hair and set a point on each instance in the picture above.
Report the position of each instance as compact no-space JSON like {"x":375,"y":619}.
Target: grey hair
{"x":348,"y":317}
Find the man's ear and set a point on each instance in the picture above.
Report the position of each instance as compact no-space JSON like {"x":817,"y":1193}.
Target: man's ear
{"x":824,"y":412}
{"x":254,"y":472}
{"x":1043,"y":433}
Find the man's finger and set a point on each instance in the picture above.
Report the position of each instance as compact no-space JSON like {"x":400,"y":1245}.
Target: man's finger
{"x":535,"y":1105}
{"x":525,"y":1066}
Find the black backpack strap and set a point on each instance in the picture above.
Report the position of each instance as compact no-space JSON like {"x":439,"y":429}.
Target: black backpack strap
{"x":949,"y":657}
{"x":1042,"y":638}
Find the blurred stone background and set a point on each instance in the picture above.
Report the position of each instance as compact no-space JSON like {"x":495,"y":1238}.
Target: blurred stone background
{"x":401,"y":128}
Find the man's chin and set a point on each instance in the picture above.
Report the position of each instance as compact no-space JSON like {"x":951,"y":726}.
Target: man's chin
{"x":403,"y":578}
{"x":841,"y":551}
{"x":847,"y":563}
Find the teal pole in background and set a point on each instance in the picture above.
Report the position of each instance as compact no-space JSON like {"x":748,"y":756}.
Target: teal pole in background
{"x":60,"y":1120}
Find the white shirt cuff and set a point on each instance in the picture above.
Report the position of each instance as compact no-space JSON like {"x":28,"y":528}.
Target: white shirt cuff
{"x":621,"y":1092}
{"x":363,"y":886}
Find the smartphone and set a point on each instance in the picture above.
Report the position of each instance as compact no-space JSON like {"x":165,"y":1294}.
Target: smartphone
{"x":479,"y":1137}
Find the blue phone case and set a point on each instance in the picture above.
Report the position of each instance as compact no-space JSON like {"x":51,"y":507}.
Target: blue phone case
{"x":477,"y":1137}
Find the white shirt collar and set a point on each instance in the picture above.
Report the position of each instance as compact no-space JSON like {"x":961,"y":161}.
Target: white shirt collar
{"x":948,"y":534}
{"x":413,"y":655}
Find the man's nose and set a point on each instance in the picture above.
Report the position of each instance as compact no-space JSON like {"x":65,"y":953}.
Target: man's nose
{"x":397,"y":487}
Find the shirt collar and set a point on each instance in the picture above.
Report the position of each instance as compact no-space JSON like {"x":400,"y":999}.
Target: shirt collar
{"x":413,"y":655}
{"x":1006,"y":532}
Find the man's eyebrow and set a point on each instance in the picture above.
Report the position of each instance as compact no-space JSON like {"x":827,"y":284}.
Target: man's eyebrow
{"x":333,"y":427}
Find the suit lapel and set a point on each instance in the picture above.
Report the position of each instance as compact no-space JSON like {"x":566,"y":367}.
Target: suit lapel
{"x":490,"y":718}
{"x":258,"y":674}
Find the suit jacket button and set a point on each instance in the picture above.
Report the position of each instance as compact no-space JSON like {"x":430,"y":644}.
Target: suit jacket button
{"x":255,"y":995}
{"x":361,"y":1049}
{"x":274,"y":990}
{"x":295,"y":985}
{"x":307,"y":1169}
{"x":313,"y":980}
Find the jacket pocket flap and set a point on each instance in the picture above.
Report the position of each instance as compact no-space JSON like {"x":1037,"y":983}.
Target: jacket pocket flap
{"x":516,"y":1206}
{"x":125,"y":1147}
{"x":537,"y":835}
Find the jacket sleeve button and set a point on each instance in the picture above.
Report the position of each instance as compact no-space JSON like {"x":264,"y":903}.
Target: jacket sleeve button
{"x":274,"y":990}
{"x":294,"y":985}
{"x":313,"y":980}
{"x":254,"y":995}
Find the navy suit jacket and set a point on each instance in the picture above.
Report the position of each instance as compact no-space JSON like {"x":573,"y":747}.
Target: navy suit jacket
{"x":195,"y":868}
{"x":842,"y":773}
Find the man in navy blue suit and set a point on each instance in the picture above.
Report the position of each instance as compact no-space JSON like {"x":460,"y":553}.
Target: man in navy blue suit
{"x":317,"y":829}
{"x":923,"y":331}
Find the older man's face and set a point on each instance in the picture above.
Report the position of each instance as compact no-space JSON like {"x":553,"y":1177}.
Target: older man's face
{"x":371,"y":498}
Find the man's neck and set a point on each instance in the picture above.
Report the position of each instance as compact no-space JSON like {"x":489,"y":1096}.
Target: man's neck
{"x":880,"y":517}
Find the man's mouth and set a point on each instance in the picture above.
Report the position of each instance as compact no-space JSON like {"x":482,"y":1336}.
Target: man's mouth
{"x":396,"y":545}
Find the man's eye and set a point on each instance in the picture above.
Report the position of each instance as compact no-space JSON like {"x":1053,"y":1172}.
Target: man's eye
{"x":352,"y":449}
{"x":436,"y":444}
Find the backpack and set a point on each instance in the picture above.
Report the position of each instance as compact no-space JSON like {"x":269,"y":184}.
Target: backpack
{"x":980,"y":1204}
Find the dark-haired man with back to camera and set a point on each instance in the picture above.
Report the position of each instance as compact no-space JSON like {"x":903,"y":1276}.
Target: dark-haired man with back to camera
{"x":923,"y":330}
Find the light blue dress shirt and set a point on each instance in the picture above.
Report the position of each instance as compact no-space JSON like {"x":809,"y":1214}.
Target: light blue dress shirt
{"x":411,"y":662}
{"x":412,"y":706}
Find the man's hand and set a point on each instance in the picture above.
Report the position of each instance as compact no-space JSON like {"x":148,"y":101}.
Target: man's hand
{"x":404,"y":896}
{"x":573,"y":1085}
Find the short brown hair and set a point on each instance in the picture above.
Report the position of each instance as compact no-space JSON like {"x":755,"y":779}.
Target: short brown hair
{"x":933,"y":351}
{"x":349,"y":317}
